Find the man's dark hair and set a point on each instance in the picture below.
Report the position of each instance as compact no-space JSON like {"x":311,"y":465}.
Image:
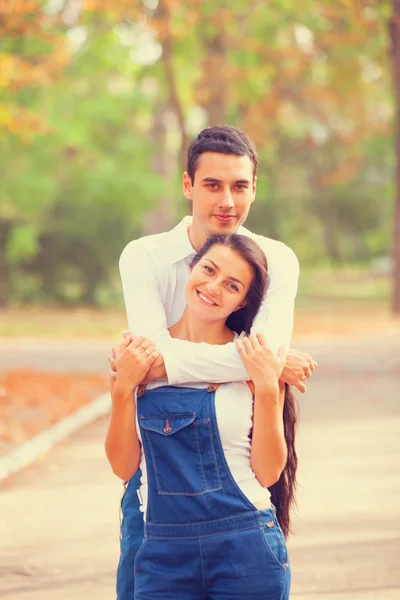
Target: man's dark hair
{"x":223,"y":139}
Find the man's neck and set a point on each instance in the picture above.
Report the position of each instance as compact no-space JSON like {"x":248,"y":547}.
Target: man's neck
{"x":196,"y":238}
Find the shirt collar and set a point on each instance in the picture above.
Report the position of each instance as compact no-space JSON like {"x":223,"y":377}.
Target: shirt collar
{"x":180,"y":246}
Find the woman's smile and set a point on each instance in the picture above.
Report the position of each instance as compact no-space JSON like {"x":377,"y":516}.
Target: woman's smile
{"x":205,"y":299}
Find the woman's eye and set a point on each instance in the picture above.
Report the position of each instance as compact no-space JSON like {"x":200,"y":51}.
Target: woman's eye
{"x":208,"y":269}
{"x":233,"y":287}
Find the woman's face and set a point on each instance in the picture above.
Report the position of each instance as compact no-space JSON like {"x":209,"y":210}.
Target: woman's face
{"x":218,"y":283}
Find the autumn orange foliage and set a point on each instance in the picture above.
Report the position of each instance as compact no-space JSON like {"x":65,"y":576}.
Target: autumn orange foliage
{"x":30,"y":402}
{"x":23,"y":21}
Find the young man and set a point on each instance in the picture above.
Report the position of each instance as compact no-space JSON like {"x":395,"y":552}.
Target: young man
{"x":220,"y":182}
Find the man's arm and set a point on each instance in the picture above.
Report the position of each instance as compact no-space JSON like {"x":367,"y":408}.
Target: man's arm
{"x":183,"y":361}
{"x":187,"y":361}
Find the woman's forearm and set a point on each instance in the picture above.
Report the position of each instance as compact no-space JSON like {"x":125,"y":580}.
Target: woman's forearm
{"x":122,"y":443}
{"x":268,"y":449}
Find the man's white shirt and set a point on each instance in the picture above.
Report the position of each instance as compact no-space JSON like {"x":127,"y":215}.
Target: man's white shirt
{"x":154,"y":271}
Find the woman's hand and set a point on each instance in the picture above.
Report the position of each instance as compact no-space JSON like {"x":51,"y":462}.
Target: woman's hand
{"x":132,"y":361}
{"x":263,"y":367}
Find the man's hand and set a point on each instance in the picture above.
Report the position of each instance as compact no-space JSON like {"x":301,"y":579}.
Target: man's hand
{"x":298,"y":368}
{"x":157,"y":370}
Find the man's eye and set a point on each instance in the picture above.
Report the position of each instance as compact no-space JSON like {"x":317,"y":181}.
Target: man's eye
{"x":212,"y":186}
{"x":240,"y":186}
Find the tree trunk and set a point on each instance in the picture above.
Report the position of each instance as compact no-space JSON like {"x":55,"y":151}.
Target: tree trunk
{"x":216,"y":63}
{"x":162,"y":217}
{"x":394,"y":28}
{"x":167,"y":41}
{"x":5,"y":227}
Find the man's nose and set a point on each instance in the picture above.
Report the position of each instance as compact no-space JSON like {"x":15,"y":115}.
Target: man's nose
{"x":226,"y":200}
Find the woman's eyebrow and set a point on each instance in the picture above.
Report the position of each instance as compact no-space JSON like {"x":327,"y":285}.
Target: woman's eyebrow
{"x":229,"y":277}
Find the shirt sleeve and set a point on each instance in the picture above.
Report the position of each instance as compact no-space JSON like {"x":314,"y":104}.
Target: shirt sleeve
{"x":276,"y":315}
{"x":192,"y":362}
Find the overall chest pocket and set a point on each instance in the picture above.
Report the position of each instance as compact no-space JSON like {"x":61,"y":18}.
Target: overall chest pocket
{"x":182,"y":453}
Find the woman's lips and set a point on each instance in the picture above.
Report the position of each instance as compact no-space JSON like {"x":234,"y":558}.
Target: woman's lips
{"x":204,"y":301}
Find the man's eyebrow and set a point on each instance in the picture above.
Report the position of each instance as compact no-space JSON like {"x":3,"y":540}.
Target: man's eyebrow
{"x":212,"y":179}
{"x":217,"y":267}
{"x":215,"y":180}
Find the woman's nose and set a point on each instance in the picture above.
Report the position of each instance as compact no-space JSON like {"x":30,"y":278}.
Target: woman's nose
{"x":213,"y":288}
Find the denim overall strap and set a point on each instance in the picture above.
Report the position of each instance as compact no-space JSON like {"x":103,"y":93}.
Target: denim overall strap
{"x":191,"y":489}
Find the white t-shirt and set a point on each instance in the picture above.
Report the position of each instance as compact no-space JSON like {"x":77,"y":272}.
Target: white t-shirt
{"x":234,"y":410}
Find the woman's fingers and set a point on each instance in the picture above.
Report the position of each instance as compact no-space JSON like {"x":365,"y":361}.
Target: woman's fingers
{"x":247,"y":345}
{"x":152,"y":354}
{"x":137,"y":341}
{"x":240,"y":347}
{"x":261,"y":340}
{"x":146,"y":344}
{"x":255,"y":342}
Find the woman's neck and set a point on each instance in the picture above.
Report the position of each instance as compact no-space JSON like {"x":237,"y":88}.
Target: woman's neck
{"x":192,"y":329}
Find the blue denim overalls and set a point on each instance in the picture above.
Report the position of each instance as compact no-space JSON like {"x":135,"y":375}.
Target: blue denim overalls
{"x":203,"y":539}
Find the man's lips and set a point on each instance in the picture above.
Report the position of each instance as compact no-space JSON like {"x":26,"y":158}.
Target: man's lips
{"x":225,"y":218}
{"x":199,"y":294}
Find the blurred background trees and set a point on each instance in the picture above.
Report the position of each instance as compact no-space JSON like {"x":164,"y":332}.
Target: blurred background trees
{"x":99,"y":99}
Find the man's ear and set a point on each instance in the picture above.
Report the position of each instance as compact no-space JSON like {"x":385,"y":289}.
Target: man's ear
{"x":187,"y":186}
{"x":254,"y":187}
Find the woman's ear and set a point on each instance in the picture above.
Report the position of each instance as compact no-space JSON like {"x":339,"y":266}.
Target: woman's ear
{"x":240,"y":306}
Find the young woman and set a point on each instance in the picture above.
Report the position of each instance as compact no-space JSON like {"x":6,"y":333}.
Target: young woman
{"x":219,"y":462}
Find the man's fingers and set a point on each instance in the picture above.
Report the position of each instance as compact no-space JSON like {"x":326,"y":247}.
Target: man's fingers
{"x":308,"y":372}
{"x":300,"y":386}
{"x":282,"y":353}
{"x":112,"y":378}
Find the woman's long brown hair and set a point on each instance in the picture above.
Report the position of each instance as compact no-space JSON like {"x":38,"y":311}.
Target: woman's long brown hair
{"x":284,"y":490}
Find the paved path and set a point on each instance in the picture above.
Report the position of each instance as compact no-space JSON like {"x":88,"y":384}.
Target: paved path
{"x":59,"y":518}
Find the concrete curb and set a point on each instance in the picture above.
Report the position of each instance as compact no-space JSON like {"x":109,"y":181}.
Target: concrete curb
{"x":26,"y":454}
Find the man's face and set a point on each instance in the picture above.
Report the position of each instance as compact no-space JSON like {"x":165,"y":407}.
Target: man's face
{"x":221,"y":195}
